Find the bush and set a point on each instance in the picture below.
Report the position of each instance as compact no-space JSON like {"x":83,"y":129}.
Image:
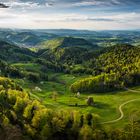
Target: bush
{"x":33,"y":77}
{"x":90,"y":101}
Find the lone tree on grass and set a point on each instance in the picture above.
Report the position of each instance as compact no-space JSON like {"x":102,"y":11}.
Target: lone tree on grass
{"x":90,"y":101}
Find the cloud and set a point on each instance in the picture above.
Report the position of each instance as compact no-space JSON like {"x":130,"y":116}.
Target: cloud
{"x":71,"y":21}
{"x":122,"y":17}
{"x":97,"y":3}
{"x":88,"y":3}
{"x":28,"y":5}
{"x":100,"y":19}
{"x":49,"y":4}
{"x":68,"y":17}
{"x":68,"y":4}
{"x":72,"y":18}
{"x":3,"y":5}
{"x":68,"y":14}
{"x":23,"y":5}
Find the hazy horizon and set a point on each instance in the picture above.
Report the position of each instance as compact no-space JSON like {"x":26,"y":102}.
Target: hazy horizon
{"x":4,"y":28}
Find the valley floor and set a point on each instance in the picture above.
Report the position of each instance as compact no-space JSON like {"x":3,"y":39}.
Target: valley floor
{"x":112,"y":109}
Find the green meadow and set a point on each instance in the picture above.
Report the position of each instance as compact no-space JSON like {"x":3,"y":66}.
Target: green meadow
{"x":55,"y":94}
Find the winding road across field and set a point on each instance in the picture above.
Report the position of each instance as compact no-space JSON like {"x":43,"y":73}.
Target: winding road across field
{"x":120,"y":109}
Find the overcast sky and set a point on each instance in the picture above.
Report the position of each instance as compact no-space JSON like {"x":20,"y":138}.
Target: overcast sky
{"x":71,"y":14}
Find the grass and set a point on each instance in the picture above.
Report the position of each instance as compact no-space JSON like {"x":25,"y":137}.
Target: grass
{"x":28,"y":66}
{"x":106,"y":104}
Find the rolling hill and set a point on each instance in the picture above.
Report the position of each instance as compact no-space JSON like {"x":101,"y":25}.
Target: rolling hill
{"x":25,"y":38}
{"x":63,"y":42}
{"x":66,"y":50}
{"x":10,"y":52}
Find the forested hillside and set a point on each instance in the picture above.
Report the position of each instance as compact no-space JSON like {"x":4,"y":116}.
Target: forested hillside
{"x":10,"y":52}
{"x":115,"y":67}
{"x":66,"y":51}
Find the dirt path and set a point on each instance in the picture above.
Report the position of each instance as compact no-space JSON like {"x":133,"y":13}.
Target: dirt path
{"x":131,"y":90}
{"x":120,"y":109}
